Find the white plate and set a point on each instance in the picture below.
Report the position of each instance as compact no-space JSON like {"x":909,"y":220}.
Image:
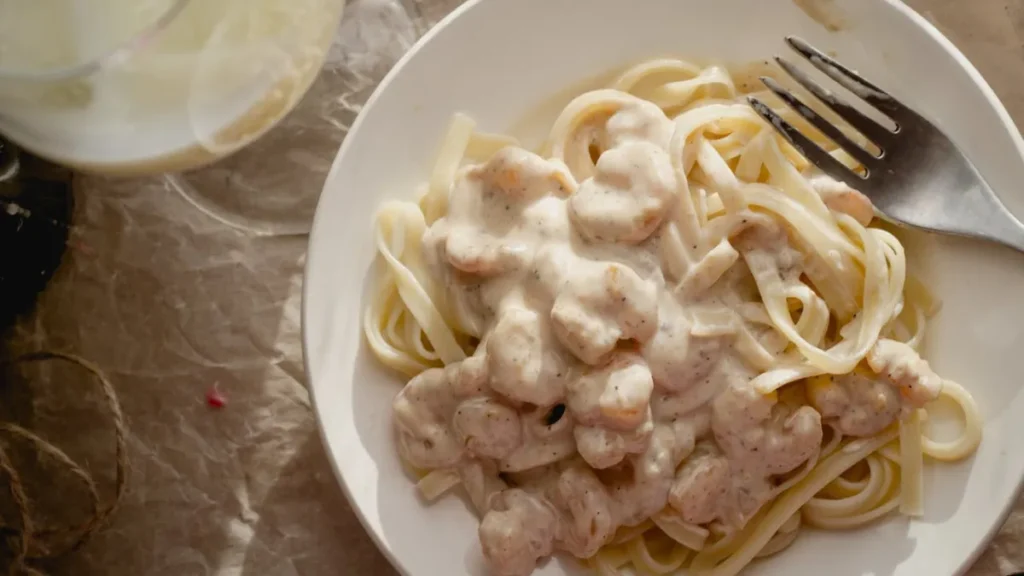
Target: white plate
{"x":497,"y":60}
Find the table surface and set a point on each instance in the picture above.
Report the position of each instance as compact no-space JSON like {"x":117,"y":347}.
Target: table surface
{"x":176,"y":285}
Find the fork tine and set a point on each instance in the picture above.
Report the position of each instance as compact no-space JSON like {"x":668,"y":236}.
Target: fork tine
{"x":849,"y":79}
{"x":826,"y":127}
{"x":804,"y":145}
{"x":874,"y":131}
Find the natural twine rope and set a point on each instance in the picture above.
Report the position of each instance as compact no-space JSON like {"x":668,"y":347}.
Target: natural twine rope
{"x":28,"y":542}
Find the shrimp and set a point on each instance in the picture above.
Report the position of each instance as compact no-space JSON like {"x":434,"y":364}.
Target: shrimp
{"x":855,"y":404}
{"x":839,"y":197}
{"x":616,"y":395}
{"x":587,"y":510}
{"x":517,"y":531}
{"x":631,"y":192}
{"x":482,"y":236}
{"x":917,"y":383}
{"x":522,"y":366}
{"x":702,"y":486}
{"x":487,"y":428}
{"x":603,"y":448}
{"x":759,"y":432}
{"x":421,"y":411}
{"x":601,"y":306}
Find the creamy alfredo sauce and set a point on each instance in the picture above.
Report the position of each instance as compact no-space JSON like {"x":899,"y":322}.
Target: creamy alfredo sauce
{"x":608,"y":387}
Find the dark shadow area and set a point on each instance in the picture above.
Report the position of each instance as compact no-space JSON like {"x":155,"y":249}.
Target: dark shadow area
{"x":36,"y":204}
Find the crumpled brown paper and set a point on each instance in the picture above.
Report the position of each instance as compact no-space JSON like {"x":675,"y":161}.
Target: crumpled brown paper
{"x":179,"y":285}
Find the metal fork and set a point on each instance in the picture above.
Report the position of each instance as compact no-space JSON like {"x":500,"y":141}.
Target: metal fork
{"x":919,"y":178}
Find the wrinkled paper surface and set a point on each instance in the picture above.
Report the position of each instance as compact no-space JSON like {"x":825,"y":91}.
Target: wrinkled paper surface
{"x":176,"y":285}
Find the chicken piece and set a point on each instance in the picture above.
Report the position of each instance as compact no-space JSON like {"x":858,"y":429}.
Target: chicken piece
{"x":918,"y":384}
{"x":522,"y":365}
{"x":756,"y":432}
{"x":587,"y":509}
{"x":597,"y":309}
{"x":421,"y":415}
{"x":615,"y":396}
{"x":603,"y":448}
{"x":854,"y":404}
{"x":702,"y":488}
{"x":517,"y":531}
{"x":631,"y":192}
{"x":839,"y":197}
{"x":487,"y":428}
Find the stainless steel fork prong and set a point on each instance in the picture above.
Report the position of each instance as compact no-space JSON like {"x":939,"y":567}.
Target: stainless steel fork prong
{"x":805,"y":146}
{"x":866,"y":158}
{"x":847,"y":78}
{"x":860,"y":122}
{"x":922,"y":179}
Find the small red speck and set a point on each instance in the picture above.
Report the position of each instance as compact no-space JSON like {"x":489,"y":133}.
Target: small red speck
{"x":84,"y":248}
{"x":215,"y":399}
